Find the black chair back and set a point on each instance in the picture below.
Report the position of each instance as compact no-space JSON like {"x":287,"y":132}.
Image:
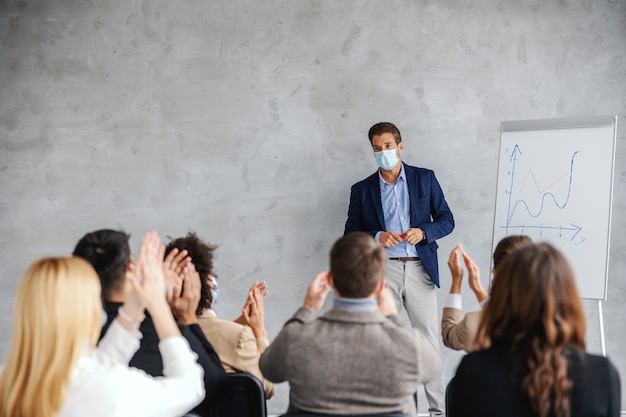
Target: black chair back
{"x":344,"y":415}
{"x":244,"y":397}
{"x":449,"y":391}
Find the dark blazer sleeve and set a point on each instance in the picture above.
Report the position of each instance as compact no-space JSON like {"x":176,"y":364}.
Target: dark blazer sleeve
{"x":439,"y":221}
{"x":214,"y":374}
{"x":429,"y":212}
{"x":365,"y":209}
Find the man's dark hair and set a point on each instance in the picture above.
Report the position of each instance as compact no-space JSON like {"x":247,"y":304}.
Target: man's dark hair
{"x":201,"y":255}
{"x":357,"y":264}
{"x":109,"y":254}
{"x":385,"y":127}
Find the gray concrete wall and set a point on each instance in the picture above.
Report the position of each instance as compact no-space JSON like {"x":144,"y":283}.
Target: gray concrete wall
{"x":246,"y":121}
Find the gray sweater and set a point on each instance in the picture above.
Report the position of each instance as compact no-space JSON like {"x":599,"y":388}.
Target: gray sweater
{"x":350,"y":362}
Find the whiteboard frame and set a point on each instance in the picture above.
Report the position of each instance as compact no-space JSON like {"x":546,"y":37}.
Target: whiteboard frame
{"x":564,"y":123}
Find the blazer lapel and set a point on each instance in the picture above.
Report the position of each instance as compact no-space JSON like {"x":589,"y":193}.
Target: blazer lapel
{"x":412,"y":183}
{"x":374,"y":190}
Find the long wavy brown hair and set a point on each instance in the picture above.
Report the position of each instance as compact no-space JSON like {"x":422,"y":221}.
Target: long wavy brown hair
{"x":536,"y":310}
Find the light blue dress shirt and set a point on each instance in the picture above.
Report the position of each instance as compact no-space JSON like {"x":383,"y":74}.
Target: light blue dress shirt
{"x":397,"y":214}
{"x":355,"y":304}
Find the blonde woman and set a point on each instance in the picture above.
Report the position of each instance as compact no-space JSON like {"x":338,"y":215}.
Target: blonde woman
{"x":53,"y":368}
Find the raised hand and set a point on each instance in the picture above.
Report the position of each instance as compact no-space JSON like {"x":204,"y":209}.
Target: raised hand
{"x":473,"y":273}
{"x":148,"y":278}
{"x":184,"y":305}
{"x":262,"y":287}
{"x":254,"y":312}
{"x":174,"y":265}
{"x":386,"y":303}
{"x":456,"y":269}
{"x":317,"y":291}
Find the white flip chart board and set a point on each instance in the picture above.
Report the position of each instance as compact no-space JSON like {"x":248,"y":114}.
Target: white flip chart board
{"x":555,"y":184}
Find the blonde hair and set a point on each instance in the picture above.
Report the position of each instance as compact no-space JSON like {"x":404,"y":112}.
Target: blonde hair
{"x":56,"y":319}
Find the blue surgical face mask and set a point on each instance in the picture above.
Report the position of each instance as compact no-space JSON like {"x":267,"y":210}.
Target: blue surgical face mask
{"x":215,"y":292}
{"x":386,"y":159}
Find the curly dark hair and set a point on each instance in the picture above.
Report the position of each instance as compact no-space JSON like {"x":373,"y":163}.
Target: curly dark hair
{"x":201,"y":254}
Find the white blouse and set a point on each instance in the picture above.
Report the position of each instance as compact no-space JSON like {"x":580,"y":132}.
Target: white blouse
{"x":102,"y":385}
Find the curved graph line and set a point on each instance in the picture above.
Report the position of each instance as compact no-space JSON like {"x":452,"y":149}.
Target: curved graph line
{"x":543,"y":197}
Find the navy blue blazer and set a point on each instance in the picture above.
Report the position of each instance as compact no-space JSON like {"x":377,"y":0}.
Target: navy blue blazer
{"x":429,"y":212}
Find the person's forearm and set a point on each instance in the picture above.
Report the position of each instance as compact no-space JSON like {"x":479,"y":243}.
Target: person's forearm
{"x":164,"y":322}
{"x":455,"y":288}
{"x":480,"y":294}
{"x":259,"y":332}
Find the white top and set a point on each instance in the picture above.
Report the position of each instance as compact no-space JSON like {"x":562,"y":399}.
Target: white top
{"x":102,"y":385}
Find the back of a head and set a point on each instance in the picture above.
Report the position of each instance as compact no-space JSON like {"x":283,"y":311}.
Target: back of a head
{"x":201,"y":254}
{"x":56,"y":316}
{"x":357,"y":264}
{"x":109,"y":254}
{"x":507,"y":245}
{"x":535,"y":297}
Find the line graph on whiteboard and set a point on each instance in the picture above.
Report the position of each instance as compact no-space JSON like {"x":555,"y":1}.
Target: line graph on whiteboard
{"x":538,"y":198}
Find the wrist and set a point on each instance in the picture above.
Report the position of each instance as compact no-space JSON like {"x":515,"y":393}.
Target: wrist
{"x":455,"y":288}
{"x":310,"y":306}
{"x":133,"y":319}
{"x":187,"y":320}
{"x":259,"y":332}
{"x":481,"y":295}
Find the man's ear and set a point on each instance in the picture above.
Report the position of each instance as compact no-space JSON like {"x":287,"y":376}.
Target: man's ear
{"x":329,"y":277}
{"x":381,"y":286}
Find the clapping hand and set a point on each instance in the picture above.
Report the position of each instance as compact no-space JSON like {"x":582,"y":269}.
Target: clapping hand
{"x":253,"y":311}
{"x":174,"y":265}
{"x":386,"y":304}
{"x":317,"y":291}
{"x":185,"y":304}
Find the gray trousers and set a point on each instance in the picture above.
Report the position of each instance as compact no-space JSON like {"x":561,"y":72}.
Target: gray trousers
{"x":412,"y":288}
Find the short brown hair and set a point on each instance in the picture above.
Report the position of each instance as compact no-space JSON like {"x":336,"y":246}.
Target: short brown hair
{"x":357,"y":264}
{"x":385,"y":127}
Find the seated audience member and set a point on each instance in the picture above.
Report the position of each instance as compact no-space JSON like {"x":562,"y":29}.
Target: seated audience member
{"x":533,"y":361}
{"x":54,"y":368}
{"x":238,"y":343}
{"x":359,"y":357}
{"x":109,"y":253}
{"x":458,"y":330}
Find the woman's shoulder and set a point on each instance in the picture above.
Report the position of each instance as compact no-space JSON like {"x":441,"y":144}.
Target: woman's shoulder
{"x":581,"y":362}
{"x":216,"y":328}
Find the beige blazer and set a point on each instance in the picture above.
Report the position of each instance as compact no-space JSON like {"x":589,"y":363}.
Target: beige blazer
{"x":238,"y":349}
{"x":459,"y":330}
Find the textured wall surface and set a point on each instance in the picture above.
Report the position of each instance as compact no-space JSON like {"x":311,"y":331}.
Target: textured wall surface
{"x":246,"y":121}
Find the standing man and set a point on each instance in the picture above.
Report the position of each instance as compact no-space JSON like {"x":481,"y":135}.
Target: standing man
{"x":404,"y":209}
